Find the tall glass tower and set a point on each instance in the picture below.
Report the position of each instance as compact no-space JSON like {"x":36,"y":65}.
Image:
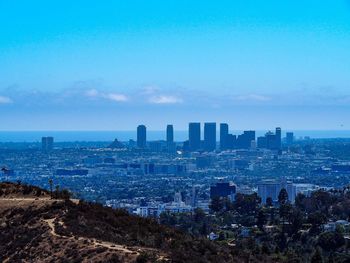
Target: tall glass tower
{"x":169,"y":133}
{"x":194,"y":135}
{"x":141,"y":136}
{"x":224,"y":136}
{"x":210,"y":136}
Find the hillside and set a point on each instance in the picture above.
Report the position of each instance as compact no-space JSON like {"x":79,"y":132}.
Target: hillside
{"x":36,"y":228}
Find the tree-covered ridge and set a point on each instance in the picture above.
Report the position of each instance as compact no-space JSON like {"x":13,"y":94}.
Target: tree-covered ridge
{"x":314,"y":228}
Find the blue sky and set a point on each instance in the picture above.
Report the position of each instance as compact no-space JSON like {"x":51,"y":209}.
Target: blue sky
{"x":109,"y":65}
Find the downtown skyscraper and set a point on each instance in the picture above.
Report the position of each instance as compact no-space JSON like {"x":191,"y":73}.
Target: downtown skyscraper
{"x":194,"y":135}
{"x":209,"y":136}
{"x":141,"y":136}
{"x":169,"y":133}
{"x":224,"y":136}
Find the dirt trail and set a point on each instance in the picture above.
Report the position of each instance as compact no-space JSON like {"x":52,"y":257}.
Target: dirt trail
{"x":95,"y":242}
{"x":9,"y":202}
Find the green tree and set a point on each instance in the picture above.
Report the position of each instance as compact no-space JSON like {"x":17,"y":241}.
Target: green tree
{"x":283,"y":197}
{"x":269,"y":202}
{"x":299,"y":201}
{"x":199,"y":215}
{"x":247,"y":204}
{"x":295,"y":219}
{"x":216,"y":204}
{"x":330,"y":241}
{"x":316,"y":219}
{"x":285,"y":211}
{"x":317,"y":257}
{"x":261,"y":219}
{"x":281,"y":241}
{"x":168,"y":219}
{"x":65,"y":195}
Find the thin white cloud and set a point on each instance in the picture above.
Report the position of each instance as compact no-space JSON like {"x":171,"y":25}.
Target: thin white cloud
{"x":252,"y":97}
{"x":92,"y":93}
{"x":5,"y":100}
{"x":165,"y":99}
{"x":115,"y":97}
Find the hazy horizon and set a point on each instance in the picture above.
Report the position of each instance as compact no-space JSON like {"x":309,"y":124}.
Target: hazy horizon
{"x":152,"y":135}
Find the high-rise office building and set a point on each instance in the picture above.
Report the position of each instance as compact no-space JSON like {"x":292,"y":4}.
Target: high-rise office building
{"x":141,"y":136}
{"x":278,"y":138}
{"x":244,"y":140}
{"x":194,"y":135}
{"x":47,"y":143}
{"x":290,"y":138}
{"x":231,"y":141}
{"x":262,"y":142}
{"x":223,"y":189}
{"x":270,"y":140}
{"x":224,"y":138}
{"x":171,"y":145}
{"x":169,"y":133}
{"x":250,"y":135}
{"x":209,"y":136}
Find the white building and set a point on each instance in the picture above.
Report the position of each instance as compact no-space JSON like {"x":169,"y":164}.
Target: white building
{"x":177,"y":206}
{"x":272,"y":188}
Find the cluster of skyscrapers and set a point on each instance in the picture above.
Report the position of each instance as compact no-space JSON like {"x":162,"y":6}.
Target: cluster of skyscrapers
{"x":228,"y":141}
{"x":271,"y":140}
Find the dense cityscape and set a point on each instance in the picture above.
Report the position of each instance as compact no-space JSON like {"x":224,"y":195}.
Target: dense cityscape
{"x":149,"y":177}
{"x":176,"y":182}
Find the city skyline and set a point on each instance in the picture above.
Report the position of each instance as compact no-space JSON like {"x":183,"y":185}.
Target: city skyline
{"x":182,"y":61}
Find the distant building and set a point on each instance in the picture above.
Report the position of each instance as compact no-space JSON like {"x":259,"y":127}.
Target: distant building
{"x":271,"y":141}
{"x":253,"y":145}
{"x":224,"y":137}
{"x":289,"y":138}
{"x":305,"y":189}
{"x":278,"y":135}
{"x":272,"y":188}
{"x":171,"y":146}
{"x":203,"y":162}
{"x":155,"y":146}
{"x":47,"y":143}
{"x":194,"y":196}
{"x":262,"y":142}
{"x":72,"y":172}
{"x":231,"y":141}
{"x":194,"y":134}
{"x":210,"y":136}
{"x":244,"y":140}
{"x":154,"y":210}
{"x":132,"y":143}
{"x":239,"y":164}
{"x":223,"y":189}
{"x":141,"y":136}
{"x":169,"y":133}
